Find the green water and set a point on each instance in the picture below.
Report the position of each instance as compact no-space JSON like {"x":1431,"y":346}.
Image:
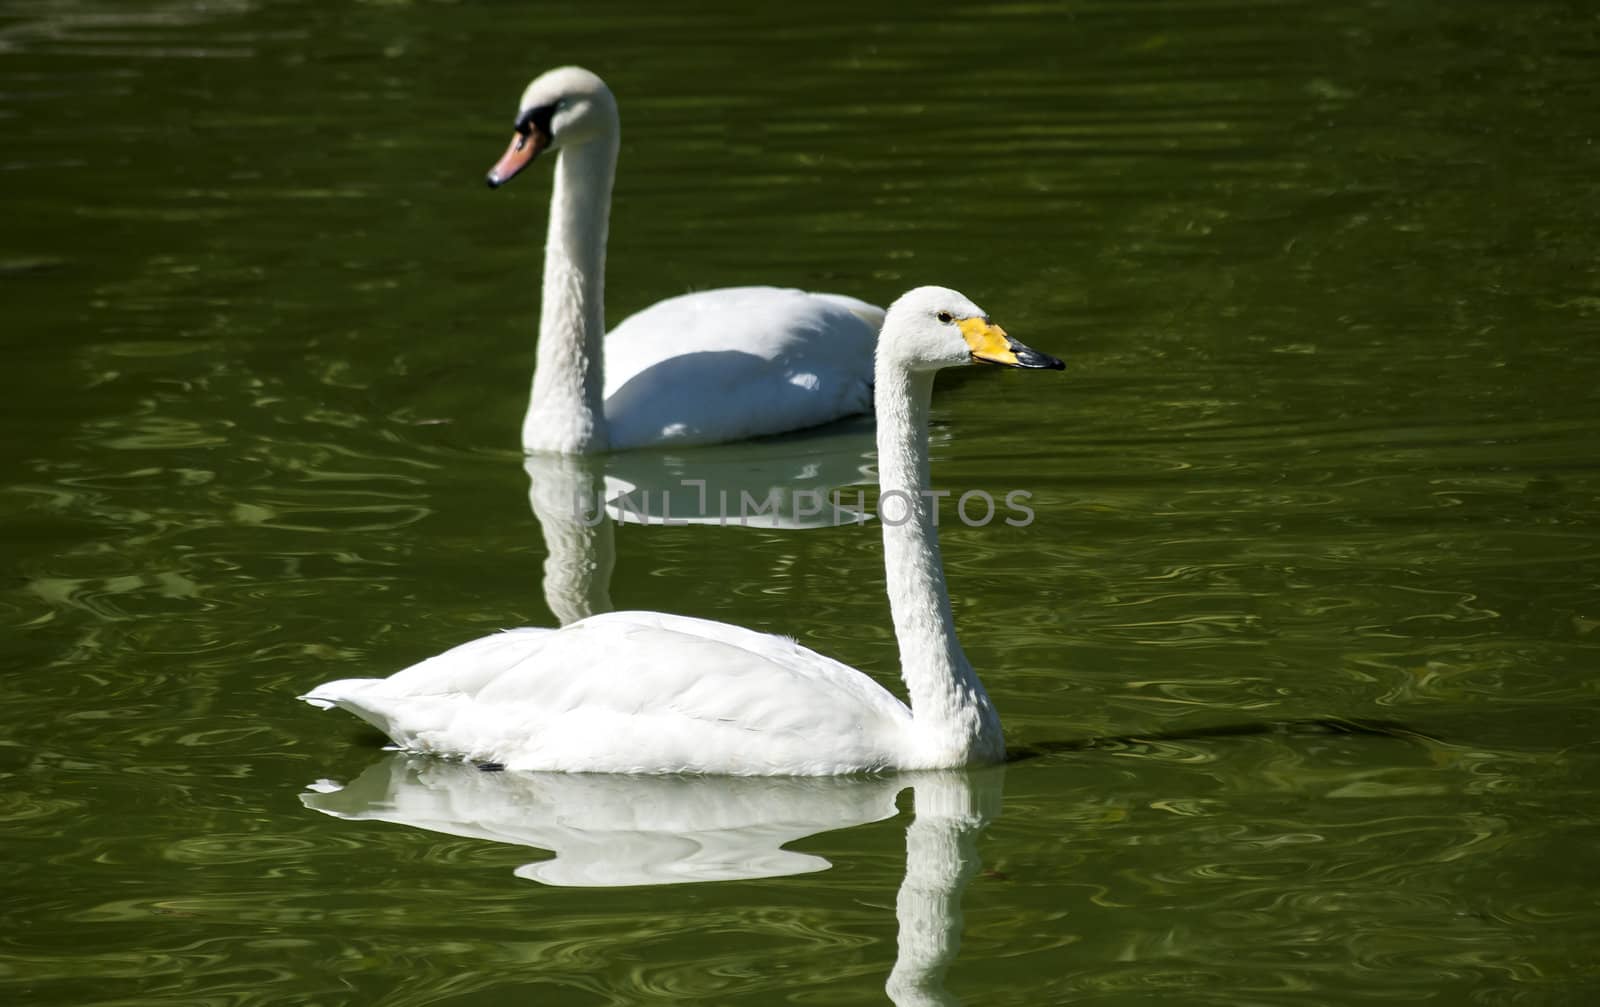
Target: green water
{"x":1302,"y":640}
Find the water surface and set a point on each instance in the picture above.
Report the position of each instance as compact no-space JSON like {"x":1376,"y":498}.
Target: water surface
{"x":1303,"y":635}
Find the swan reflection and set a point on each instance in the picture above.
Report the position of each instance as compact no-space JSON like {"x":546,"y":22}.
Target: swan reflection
{"x":784,"y":482}
{"x":609,"y":831}
{"x":952,"y":809}
{"x":579,"y":546}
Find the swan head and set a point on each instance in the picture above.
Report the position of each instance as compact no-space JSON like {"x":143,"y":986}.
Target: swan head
{"x":930,"y":328}
{"x":563,"y":107}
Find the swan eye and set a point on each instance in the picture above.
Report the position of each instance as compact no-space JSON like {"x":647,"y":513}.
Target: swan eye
{"x":536,"y":119}
{"x":945,"y":316}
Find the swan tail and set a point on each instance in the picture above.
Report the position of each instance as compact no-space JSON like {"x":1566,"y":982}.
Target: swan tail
{"x":360,"y":697}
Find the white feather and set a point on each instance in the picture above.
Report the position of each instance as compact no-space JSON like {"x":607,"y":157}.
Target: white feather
{"x":736,"y":363}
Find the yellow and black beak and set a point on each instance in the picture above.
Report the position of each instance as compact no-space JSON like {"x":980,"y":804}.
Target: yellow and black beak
{"x":991,"y":345}
{"x":532,"y":136}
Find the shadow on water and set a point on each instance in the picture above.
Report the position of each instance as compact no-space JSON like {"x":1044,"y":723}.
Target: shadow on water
{"x":1309,"y":727}
{"x":1289,"y":728}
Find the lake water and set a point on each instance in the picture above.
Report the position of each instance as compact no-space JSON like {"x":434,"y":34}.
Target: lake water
{"x":1299,"y":653}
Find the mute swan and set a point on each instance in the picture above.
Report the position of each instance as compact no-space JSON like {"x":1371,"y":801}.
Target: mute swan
{"x":702,"y":368}
{"x":644,"y":692}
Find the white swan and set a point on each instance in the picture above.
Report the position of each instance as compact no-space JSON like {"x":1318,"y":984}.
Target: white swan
{"x":703,"y":368}
{"x":643,"y":692}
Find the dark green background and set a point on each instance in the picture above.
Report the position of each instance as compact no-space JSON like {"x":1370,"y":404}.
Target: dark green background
{"x":1325,"y":278}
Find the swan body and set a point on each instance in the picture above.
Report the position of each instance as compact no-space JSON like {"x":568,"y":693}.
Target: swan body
{"x":701,"y":368}
{"x":740,"y":362}
{"x":648,"y":693}
{"x":644,"y":692}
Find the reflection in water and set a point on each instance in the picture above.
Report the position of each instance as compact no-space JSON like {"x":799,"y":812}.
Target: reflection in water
{"x":580,"y":549}
{"x":776,"y":482}
{"x":609,"y":831}
{"x":941,"y":857}
{"x":780,"y":482}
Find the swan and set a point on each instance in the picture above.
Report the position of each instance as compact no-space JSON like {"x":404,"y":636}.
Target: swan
{"x":701,"y":368}
{"x":646,"y":692}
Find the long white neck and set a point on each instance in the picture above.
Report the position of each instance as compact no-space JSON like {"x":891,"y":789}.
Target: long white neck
{"x":954,"y":720}
{"x":566,"y":411}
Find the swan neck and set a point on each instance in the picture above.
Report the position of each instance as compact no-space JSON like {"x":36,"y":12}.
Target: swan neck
{"x":566,"y":410}
{"x":949,"y":706}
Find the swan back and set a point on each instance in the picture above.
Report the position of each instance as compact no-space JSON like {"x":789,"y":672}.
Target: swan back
{"x":739,"y":362}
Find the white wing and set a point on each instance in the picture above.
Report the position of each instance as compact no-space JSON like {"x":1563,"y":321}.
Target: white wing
{"x":636,"y":692}
{"x":735,"y":363}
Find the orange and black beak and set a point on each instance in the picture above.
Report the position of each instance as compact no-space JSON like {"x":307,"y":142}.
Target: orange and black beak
{"x":532,"y":136}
